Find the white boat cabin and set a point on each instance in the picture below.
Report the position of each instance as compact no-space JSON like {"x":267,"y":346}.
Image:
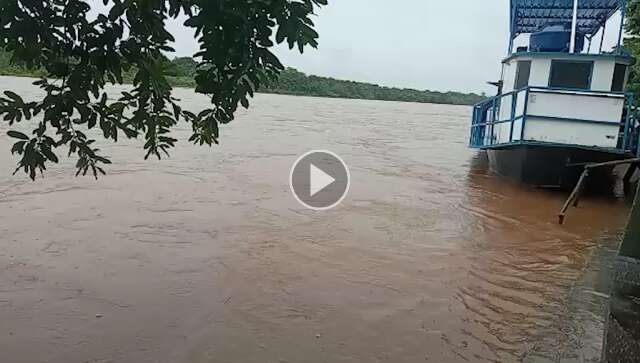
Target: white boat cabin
{"x":555,"y":91}
{"x":574,"y":98}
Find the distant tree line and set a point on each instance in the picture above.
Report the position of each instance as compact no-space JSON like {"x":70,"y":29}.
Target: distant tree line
{"x":181,"y":71}
{"x":7,"y":68}
{"x":294,"y":82}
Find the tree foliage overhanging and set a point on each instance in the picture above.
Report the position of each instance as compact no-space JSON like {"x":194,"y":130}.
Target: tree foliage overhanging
{"x":87,"y":52}
{"x":632,"y":44}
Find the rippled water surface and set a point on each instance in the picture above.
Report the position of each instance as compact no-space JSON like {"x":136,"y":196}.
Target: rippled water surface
{"x":207,"y":257}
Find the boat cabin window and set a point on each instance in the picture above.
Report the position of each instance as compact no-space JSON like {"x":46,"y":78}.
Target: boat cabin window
{"x":571,"y":74}
{"x":522,"y":74}
{"x":619,"y":73}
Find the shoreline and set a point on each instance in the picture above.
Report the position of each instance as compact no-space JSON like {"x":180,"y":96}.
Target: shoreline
{"x":184,"y":82}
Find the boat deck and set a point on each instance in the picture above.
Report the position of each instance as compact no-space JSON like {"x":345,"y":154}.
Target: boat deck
{"x":543,"y":116}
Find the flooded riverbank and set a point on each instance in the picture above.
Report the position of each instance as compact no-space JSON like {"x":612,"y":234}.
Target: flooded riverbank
{"x":207,"y":257}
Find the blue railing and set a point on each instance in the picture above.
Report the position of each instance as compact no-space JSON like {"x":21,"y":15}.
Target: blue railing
{"x":486,"y":115}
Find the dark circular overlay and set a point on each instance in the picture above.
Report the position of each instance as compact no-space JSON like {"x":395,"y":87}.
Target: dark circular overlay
{"x":319,"y":180}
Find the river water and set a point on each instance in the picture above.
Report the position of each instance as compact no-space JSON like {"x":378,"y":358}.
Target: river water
{"x":207,"y":257}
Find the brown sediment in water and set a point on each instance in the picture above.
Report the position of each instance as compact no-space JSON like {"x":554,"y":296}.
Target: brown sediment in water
{"x":207,"y":257}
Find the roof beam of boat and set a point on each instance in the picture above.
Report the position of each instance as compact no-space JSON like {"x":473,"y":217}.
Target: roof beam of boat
{"x":588,"y":26}
{"x":557,"y":17}
{"x":568,"y":8}
{"x":530,"y":28}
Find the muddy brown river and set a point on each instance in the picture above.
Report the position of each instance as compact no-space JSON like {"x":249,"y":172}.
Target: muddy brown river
{"x":207,"y":256}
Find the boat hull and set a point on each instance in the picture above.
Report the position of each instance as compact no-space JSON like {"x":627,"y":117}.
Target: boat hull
{"x":549,"y":166}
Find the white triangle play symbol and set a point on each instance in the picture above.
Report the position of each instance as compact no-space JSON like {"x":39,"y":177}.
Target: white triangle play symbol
{"x":319,"y":180}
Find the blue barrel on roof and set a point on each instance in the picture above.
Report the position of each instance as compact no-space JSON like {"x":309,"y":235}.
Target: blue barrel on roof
{"x":555,"y":37}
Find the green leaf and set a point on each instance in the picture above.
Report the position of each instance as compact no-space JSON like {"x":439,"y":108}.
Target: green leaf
{"x":17,"y":135}
{"x":14,"y":96}
{"x":18,"y":147}
{"x":49,"y":154}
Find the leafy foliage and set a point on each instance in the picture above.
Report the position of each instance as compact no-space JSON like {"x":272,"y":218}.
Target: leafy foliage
{"x":185,"y":67}
{"x":85,"y":54}
{"x":632,"y":44}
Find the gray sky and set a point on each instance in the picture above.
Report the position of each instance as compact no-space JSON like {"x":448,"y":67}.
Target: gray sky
{"x":422,"y":44}
{"x":405,"y":43}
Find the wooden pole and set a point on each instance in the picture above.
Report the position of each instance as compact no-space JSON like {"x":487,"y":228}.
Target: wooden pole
{"x":613,"y":162}
{"x":573,"y":196}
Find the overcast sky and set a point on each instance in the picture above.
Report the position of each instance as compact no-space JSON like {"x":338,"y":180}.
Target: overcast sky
{"x":422,"y":44}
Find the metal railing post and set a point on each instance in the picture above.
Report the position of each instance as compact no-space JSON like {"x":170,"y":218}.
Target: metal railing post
{"x":625,"y":141}
{"x":524,"y":113}
{"x":473,"y":129}
{"x":623,"y":13}
{"x":514,"y":100}
{"x":493,"y":119}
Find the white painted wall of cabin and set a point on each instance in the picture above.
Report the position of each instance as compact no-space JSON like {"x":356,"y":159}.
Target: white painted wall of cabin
{"x":505,"y":108}
{"x":540,"y":69}
{"x":538,"y":76}
{"x":599,"y":135}
{"x":509,"y":76}
{"x":575,"y":106}
{"x":602,"y":76}
{"x":567,"y":105}
{"x":564,"y":105}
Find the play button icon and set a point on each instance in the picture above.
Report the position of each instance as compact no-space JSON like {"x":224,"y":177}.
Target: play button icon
{"x":319,"y":180}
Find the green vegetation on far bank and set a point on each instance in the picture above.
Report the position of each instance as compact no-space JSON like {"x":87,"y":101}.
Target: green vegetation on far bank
{"x":294,"y":82}
{"x":181,"y":73}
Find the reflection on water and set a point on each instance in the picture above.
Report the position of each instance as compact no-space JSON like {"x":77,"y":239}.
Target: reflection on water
{"x":206,"y":257}
{"x":537,"y":291}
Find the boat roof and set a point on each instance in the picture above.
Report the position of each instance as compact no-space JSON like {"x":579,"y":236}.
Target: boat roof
{"x":617,"y":57}
{"x":528,"y":16}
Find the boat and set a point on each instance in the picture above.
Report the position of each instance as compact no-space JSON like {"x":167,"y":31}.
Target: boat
{"x":561,"y":101}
